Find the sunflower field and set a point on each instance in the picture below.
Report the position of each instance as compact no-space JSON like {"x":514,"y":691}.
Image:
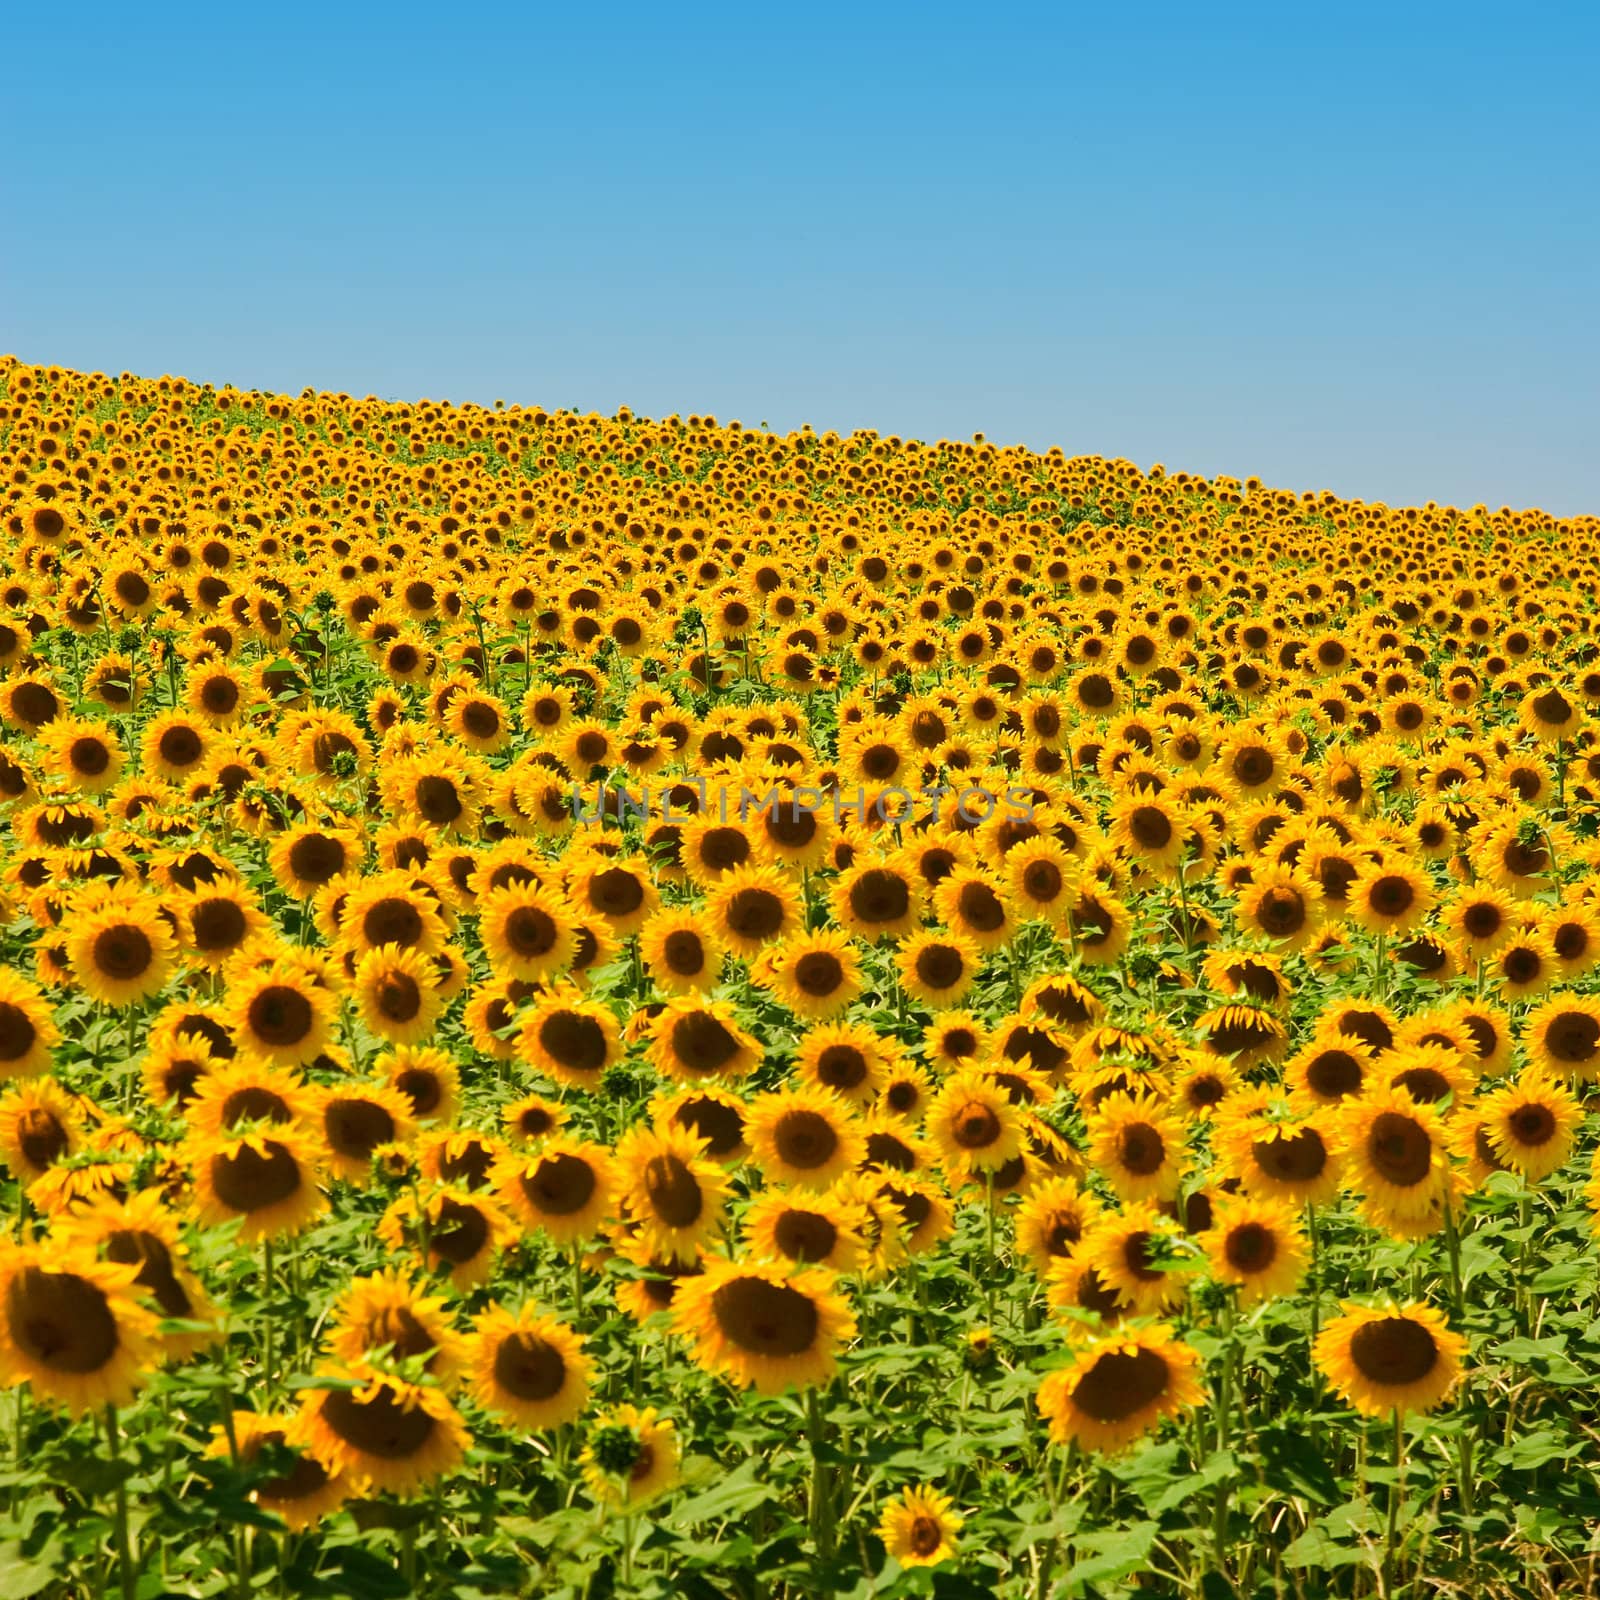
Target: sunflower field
{"x":603,"y":1007}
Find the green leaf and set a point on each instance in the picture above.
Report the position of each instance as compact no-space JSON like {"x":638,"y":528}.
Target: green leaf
{"x":738,"y":1492}
{"x":22,"y":1576}
{"x":1315,"y":1549}
{"x":1292,"y":1464}
{"x":1113,"y":1555}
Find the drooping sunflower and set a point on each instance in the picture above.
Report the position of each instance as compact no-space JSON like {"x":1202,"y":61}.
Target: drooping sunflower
{"x":670,"y":1191}
{"x":920,"y":1527}
{"x":527,"y":1368}
{"x":1390,"y":1358}
{"x":631,"y":1457}
{"x":1119,"y":1386}
{"x":72,"y":1327}
{"x":769,"y":1326}
{"x":805,"y":1138}
{"x":304,"y":1492}
{"x":384,"y":1434}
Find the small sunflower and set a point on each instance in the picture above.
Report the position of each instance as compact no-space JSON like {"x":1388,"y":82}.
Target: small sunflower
{"x":1119,"y":1386}
{"x":379,"y":1431}
{"x":527,"y":1368}
{"x":920,"y":1527}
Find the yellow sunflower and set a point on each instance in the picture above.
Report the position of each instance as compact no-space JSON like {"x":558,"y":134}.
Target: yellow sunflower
{"x":527,"y":1368}
{"x":1118,"y":1386}
{"x":1391,"y":1358}
{"x":765,"y":1325}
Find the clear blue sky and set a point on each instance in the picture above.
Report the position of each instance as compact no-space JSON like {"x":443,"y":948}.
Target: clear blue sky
{"x":1354,"y":248}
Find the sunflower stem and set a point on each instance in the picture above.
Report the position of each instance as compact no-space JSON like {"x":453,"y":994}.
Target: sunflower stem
{"x":821,"y":1522}
{"x":1396,"y":1488}
{"x":989,"y":1275}
{"x":577,"y":1282}
{"x":126,"y":1573}
{"x":267,"y":1362}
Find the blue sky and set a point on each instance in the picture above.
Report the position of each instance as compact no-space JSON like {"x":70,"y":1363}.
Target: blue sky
{"x":1352,"y":249}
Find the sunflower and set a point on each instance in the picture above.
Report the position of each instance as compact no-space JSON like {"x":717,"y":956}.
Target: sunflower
{"x":357,"y":1122}
{"x":28,"y":1030}
{"x":695,"y":1040}
{"x":1562,"y":1036}
{"x":1065,"y":1003}
{"x":877,"y":898}
{"x":1390,"y":1359}
{"x":40,"y":1124}
{"x":84,"y":754}
{"x":383,"y":1318}
{"x":1256,"y":1245}
{"x":1397,"y":1156}
{"x":631,"y":1457}
{"x":566,"y":1187}
{"x":938,"y":968}
{"x":527,"y":932}
{"x":973,"y":1124}
{"x":1138,"y":1147}
{"x":397,"y":991}
{"x":140,"y":1231}
{"x":1481,"y":919}
{"x":1574,"y":936}
{"x":816,"y":975}
{"x":218,"y":921}
{"x":1531,"y":1123}
{"x":1430,"y":1073}
{"x":527,"y":1368}
{"x":769,"y":1326}
{"x":1246,"y":1035}
{"x":752,"y":907}
{"x":308,"y":856}
{"x":570,"y":1039}
{"x":175,"y":745}
{"x":1134,"y":1253}
{"x":810,"y":1228}
{"x":618,"y":889}
{"x":1118,"y":1386}
{"x":680,"y":951}
{"x":1550,"y":714}
{"x":1278,"y":1150}
{"x":72,"y":1327}
{"x":971,"y":903}
{"x":452,"y":1228}
{"x":267,"y":1180}
{"x":379,"y":1431}
{"x":954,"y":1039}
{"x":243,"y":1092}
{"x":670,"y":1191}
{"x":805,"y":1138}
{"x":1099,"y":927}
{"x":1041,"y":878}
{"x":532,"y":1118}
{"x":920,"y":1527}
{"x":303,"y":1492}
{"x":1523,"y":967}
{"x":122,"y":950}
{"x":847,"y":1057}
{"x":712,"y":1115}
{"x":279,"y":1012}
{"x":1052,"y":1221}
